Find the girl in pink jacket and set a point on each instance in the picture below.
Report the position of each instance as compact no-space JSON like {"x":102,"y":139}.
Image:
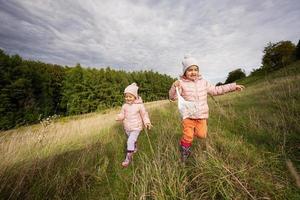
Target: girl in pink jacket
{"x":193,"y":88}
{"x":134,"y":117}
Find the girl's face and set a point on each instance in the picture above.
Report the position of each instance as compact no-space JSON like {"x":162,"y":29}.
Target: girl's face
{"x":129,"y":98}
{"x":192,"y":73}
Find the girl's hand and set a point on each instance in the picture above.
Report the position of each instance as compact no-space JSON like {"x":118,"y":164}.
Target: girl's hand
{"x":148,"y":126}
{"x":239,"y":87}
{"x":119,"y":118}
{"x":176,"y":84}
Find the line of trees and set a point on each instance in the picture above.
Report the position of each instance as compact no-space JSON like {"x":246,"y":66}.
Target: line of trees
{"x":276,"y":56}
{"x":33,"y":90}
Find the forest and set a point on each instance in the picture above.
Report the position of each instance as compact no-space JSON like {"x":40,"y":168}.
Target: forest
{"x":33,"y":90}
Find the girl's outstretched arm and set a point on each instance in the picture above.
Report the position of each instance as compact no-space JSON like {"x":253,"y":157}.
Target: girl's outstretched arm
{"x":222,"y":89}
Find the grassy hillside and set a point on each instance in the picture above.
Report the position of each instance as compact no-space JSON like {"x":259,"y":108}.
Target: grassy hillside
{"x":252,"y":135}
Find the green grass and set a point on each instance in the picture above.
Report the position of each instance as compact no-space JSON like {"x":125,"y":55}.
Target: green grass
{"x":251,"y":136}
{"x":262,"y":76}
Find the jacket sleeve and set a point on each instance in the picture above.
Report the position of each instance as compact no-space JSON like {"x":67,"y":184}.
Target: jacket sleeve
{"x":172,"y":93}
{"x":121,"y":115}
{"x":144,"y":115}
{"x":222,"y":89}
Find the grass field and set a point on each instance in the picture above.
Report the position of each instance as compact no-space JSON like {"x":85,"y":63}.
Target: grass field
{"x":253,"y":138}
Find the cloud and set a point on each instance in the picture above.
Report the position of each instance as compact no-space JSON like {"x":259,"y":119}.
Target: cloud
{"x":138,"y":35}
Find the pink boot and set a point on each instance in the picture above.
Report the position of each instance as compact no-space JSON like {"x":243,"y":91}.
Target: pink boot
{"x":127,"y":160}
{"x":135,"y":147}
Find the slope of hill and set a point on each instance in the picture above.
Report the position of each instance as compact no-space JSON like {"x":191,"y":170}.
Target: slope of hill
{"x":252,"y":135}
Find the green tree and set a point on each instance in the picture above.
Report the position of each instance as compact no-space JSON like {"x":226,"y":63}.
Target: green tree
{"x":31,"y":90}
{"x":278,"y":55}
{"x":297,"y":51}
{"x":235,"y":75}
{"x":72,"y":86}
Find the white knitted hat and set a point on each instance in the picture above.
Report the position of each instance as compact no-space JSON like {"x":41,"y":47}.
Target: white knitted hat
{"x":188,"y":61}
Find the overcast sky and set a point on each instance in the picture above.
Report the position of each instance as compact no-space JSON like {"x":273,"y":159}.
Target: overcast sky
{"x":143,"y":35}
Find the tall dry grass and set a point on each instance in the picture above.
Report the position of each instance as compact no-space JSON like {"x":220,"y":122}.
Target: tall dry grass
{"x":53,"y":136}
{"x":251,"y":135}
{"x":59,"y":157}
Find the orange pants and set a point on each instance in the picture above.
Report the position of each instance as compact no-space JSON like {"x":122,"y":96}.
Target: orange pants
{"x":193,"y":127}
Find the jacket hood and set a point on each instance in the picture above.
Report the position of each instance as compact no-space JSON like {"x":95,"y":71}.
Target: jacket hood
{"x":138,"y":100}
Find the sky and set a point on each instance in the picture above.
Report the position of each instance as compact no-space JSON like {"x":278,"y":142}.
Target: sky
{"x":148,"y":35}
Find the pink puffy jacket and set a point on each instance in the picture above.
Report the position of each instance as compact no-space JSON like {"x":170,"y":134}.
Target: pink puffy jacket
{"x":197,"y":90}
{"x":134,"y":116}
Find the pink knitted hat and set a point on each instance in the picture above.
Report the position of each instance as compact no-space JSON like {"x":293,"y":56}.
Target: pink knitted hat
{"x":132,"y":89}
